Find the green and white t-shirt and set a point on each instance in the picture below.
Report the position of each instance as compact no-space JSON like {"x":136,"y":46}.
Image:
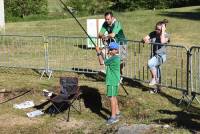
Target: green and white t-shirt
{"x":114,"y":28}
{"x":112,"y":70}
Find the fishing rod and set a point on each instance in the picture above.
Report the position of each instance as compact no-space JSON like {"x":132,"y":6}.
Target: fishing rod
{"x":65,"y":6}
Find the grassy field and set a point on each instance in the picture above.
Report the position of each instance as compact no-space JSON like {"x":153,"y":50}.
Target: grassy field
{"x":54,"y":6}
{"x":183,"y":25}
{"x":139,"y":107}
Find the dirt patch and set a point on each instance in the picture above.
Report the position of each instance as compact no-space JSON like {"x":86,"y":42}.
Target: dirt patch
{"x":73,"y":124}
{"x":8,"y":120}
{"x":6,"y":95}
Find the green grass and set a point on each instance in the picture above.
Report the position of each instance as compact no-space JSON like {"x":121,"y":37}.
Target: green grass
{"x":54,"y":6}
{"x":138,"y":107}
{"x":183,"y":25}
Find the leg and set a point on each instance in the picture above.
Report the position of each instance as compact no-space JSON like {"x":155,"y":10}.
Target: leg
{"x":154,"y":73}
{"x":121,"y":68}
{"x":112,"y":92}
{"x":122,"y":64}
{"x":123,"y":55}
{"x":113,"y":106}
{"x":117,"y":106}
{"x":152,"y":63}
{"x":158,"y":80}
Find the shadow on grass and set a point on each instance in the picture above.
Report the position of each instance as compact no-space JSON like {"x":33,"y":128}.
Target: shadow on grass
{"x":126,"y":81}
{"x":183,"y":15}
{"x":189,"y":119}
{"x":183,"y":105}
{"x":63,"y":106}
{"x":136,"y":84}
{"x":81,"y":46}
{"x":183,"y":119}
{"x":92,"y":100}
{"x":85,"y":47}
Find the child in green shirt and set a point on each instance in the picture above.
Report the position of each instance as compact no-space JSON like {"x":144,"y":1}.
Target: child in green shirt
{"x":112,"y":78}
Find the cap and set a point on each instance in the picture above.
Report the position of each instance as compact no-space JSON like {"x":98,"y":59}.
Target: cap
{"x":113,"y":45}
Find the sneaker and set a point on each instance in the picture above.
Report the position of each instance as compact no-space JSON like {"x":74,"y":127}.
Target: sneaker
{"x":118,"y":115}
{"x":102,"y":71}
{"x":152,"y":82}
{"x":151,"y":92}
{"x":154,"y":91}
{"x":112,"y":120}
{"x":121,"y":80}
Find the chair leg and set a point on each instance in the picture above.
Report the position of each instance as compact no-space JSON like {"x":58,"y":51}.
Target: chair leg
{"x":68,"y":114}
{"x":80,"y":105}
{"x":71,"y":104}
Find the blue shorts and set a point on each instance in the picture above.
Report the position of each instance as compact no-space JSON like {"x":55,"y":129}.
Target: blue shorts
{"x":156,"y":61}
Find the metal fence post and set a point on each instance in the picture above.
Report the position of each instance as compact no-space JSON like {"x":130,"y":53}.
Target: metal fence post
{"x":188,"y":72}
{"x":47,"y":70}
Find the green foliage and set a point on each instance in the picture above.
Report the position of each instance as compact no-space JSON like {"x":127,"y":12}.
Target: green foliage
{"x":85,"y":7}
{"x":99,"y":6}
{"x":181,"y":3}
{"x":123,"y":5}
{"x":22,"y":8}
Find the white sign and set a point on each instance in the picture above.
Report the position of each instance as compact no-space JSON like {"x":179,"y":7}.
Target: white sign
{"x":2,"y":18}
{"x":93,"y":28}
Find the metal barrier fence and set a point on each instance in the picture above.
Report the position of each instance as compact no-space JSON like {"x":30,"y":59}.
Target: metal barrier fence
{"x":194,"y":72}
{"x":22,"y":51}
{"x":72,"y":54}
{"x":173,"y":70}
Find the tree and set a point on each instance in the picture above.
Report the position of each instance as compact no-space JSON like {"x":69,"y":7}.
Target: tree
{"x":89,"y":6}
{"x":21,"y":8}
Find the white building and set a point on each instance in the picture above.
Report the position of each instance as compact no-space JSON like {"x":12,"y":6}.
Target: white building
{"x":2,"y":17}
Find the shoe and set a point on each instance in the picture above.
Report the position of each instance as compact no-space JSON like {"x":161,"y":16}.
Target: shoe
{"x":121,"y":80}
{"x":112,"y":120}
{"x":151,"y":92}
{"x":118,"y":115}
{"x":152,"y":82}
{"x":102,"y":71}
{"x":154,"y":91}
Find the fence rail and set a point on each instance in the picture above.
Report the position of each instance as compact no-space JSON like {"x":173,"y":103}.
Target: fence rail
{"x":22,"y":51}
{"x":180,"y":71}
{"x":195,"y":70}
{"x":173,"y":71}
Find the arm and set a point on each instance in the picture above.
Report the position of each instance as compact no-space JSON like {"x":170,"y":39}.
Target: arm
{"x":103,"y":37}
{"x":102,"y":32}
{"x":116,"y":29}
{"x":146,"y":39}
{"x":111,"y":35}
{"x":100,"y":35}
{"x":163,"y":38}
{"x":99,"y":55}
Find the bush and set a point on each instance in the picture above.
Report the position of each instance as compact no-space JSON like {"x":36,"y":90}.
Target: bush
{"x":22,"y":8}
{"x":89,"y":7}
{"x":124,"y":5}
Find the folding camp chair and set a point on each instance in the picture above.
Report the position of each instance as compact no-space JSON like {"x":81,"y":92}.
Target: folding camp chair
{"x":69,"y":93}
